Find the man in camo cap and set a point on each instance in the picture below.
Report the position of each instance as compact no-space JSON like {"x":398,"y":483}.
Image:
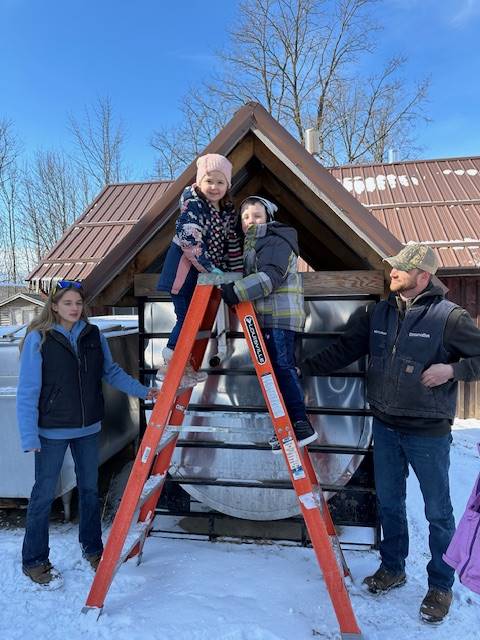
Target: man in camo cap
{"x":415,"y":256}
{"x":419,"y":346}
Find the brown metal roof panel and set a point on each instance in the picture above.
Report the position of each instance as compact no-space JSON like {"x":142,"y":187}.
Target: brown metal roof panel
{"x":115,"y":235}
{"x":101,"y":205}
{"x":146,"y":198}
{"x":414,"y":181}
{"x":107,"y":206}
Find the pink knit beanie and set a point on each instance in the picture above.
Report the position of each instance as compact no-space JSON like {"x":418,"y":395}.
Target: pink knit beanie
{"x":214,"y":162}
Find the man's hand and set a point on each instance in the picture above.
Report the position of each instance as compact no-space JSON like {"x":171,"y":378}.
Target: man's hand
{"x":152,"y":393}
{"x":229,"y":295}
{"x":437,"y":374}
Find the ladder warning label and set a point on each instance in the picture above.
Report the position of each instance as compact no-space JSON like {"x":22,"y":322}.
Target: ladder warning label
{"x":146,"y":453}
{"x":254,"y":339}
{"x":293,"y":458}
{"x":272,"y":395}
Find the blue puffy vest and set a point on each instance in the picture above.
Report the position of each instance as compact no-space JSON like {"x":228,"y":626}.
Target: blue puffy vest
{"x":399,"y":353}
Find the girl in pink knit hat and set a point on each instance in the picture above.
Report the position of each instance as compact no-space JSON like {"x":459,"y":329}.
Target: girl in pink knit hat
{"x":205,"y":240}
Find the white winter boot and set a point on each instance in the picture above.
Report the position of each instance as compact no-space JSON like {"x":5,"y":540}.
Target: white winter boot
{"x":190,"y":377}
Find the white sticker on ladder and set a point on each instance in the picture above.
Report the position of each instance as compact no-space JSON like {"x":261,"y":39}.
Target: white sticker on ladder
{"x":308,"y":500}
{"x":146,"y":453}
{"x":293,"y":458}
{"x":272,"y":395}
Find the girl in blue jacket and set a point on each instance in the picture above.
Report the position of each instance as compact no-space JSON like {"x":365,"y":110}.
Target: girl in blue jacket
{"x":63,"y":361}
{"x":205,"y":241}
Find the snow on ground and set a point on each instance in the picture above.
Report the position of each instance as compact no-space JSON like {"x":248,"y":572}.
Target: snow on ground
{"x":197,"y":590}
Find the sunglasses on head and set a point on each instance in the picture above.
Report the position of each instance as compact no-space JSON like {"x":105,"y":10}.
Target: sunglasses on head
{"x":67,"y":284}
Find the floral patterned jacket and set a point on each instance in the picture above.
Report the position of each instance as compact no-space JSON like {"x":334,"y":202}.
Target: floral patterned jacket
{"x":204,"y":239}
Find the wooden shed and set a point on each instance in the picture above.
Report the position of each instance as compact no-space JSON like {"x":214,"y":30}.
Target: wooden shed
{"x":20,"y":308}
{"x":125,"y":231}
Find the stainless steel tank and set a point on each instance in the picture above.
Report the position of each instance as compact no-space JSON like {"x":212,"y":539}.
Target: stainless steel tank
{"x":120,"y":425}
{"x":231,"y":398}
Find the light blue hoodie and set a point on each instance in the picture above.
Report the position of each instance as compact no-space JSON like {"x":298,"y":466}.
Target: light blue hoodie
{"x":30,"y":385}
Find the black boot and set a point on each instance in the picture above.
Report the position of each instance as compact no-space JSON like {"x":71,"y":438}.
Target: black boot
{"x":304,"y":432}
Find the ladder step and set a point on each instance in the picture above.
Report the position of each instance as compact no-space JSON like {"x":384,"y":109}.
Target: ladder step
{"x":165,"y":440}
{"x":135,"y":536}
{"x":151,"y":485}
{"x":199,"y":428}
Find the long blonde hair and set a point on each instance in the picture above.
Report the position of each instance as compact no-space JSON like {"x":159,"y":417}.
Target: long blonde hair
{"x":47,"y":318}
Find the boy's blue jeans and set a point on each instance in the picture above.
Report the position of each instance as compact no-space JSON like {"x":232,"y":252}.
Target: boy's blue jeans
{"x":48,"y":463}
{"x":429,"y":457}
{"x":280,"y":344}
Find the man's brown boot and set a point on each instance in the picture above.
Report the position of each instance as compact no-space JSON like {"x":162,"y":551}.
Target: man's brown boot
{"x":94,"y":560}
{"x":44,"y":574}
{"x":383,"y":580}
{"x":435,"y":605}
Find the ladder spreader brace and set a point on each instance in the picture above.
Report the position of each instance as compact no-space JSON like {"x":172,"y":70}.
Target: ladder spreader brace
{"x":154,"y":456}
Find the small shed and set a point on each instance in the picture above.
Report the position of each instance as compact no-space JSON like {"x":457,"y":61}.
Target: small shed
{"x":117,"y":249}
{"x":126,"y":229}
{"x":21,"y":308}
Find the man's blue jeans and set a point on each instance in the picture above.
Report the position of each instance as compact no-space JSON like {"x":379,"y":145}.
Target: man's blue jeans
{"x":48,"y":463}
{"x":280,"y":344}
{"x":429,"y":457}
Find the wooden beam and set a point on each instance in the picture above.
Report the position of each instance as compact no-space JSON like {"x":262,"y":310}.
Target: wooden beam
{"x":315,"y":283}
{"x":344,"y":282}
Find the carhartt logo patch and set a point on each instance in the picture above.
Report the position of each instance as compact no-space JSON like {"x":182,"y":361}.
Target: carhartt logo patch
{"x":409,"y":368}
{"x":414,"y":334}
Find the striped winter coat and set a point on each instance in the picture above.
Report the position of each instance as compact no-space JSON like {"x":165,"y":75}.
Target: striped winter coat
{"x":204,"y":239}
{"x":271,"y":278}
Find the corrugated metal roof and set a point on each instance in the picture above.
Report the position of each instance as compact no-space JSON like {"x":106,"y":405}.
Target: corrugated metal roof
{"x":431,"y":201}
{"x":101,"y":227}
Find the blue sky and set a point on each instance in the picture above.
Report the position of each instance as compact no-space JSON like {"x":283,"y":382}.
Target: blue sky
{"x":58,"y":55}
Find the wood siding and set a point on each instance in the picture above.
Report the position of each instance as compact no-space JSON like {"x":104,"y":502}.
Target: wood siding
{"x":465,"y":291}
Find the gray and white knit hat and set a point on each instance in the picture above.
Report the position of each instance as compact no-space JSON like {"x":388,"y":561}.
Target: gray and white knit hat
{"x":270,"y":208}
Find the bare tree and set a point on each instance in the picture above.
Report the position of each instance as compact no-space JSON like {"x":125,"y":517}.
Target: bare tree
{"x":50,"y":202}
{"x":99,"y":138}
{"x":177,"y":146}
{"x":371,"y":116}
{"x":302,"y":60}
{"x":9,"y":186}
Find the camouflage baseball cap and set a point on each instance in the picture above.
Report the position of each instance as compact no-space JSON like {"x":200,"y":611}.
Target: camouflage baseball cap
{"x":415,"y":256}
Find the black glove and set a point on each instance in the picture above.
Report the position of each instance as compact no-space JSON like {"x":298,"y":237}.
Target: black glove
{"x":229,"y":295}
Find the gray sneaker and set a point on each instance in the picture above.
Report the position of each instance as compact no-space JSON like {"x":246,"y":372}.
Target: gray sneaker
{"x":435,"y":605}
{"x":383,"y":580}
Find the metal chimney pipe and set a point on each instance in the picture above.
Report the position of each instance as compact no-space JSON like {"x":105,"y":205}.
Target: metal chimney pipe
{"x":392,"y":156}
{"x":312,"y":141}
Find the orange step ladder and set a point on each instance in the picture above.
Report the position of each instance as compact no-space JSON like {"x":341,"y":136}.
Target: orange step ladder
{"x":153,"y":459}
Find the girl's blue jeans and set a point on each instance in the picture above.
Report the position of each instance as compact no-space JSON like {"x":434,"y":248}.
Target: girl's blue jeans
{"x":48,"y":463}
